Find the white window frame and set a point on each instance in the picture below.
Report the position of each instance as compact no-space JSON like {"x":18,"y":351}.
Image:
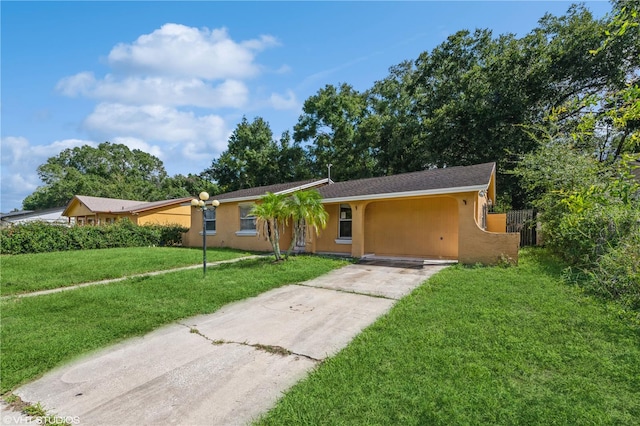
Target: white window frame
{"x":246,"y":208}
{"x":214,"y":220}
{"x":342,"y":218}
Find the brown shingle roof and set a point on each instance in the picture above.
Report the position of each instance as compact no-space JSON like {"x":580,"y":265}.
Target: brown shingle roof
{"x":453,"y":178}
{"x":449,"y":178}
{"x":106,"y":205}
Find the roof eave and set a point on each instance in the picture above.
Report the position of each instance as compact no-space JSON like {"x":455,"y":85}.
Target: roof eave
{"x":305,"y":186}
{"x":438,"y":191}
{"x":284,"y":191}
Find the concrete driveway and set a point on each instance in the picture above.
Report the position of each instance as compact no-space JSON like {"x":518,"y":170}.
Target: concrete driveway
{"x":228,"y":367}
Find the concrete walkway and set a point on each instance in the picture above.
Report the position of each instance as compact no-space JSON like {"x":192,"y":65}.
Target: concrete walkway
{"x":229,"y":367}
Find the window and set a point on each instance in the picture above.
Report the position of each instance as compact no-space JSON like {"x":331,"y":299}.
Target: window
{"x":210,"y":221}
{"x":344,"y":222}
{"x":247,"y":222}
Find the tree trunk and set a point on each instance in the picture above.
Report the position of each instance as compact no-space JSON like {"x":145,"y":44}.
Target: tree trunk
{"x":275,"y":243}
{"x":294,"y":237}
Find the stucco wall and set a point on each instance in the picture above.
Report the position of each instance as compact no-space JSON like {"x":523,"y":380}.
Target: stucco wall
{"x":419,"y":227}
{"x":177,"y":215}
{"x":497,"y":222}
{"x":78,"y":209}
{"x":326,"y":241}
{"x":227,"y":229}
{"x":478,"y":246}
{"x":430,"y":227}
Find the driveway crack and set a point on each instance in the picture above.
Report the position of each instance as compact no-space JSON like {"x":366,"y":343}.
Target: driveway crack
{"x":341,"y":290}
{"x":272,"y":349}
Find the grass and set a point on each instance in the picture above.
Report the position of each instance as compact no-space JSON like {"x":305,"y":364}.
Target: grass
{"x":477,"y":346}
{"x":32,"y":272}
{"x":40,"y":333}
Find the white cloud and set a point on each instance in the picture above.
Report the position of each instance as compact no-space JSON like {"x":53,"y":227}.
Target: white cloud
{"x":175,"y":65}
{"x":20,"y":159}
{"x":17,"y":152}
{"x":178,"y":50}
{"x":177,"y":133}
{"x":154,"y":122}
{"x":80,"y":84}
{"x":284,"y":69}
{"x":287,"y":101}
{"x":157,"y":90}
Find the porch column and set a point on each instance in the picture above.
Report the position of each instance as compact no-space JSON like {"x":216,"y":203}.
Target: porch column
{"x":357,"y":228}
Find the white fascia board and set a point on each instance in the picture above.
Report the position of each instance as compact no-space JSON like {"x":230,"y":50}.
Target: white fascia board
{"x":440,"y":191}
{"x":286,"y":191}
{"x":303,"y":187}
{"x":240,"y":199}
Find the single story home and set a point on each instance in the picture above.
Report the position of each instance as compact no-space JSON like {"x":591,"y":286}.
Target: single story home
{"x":86,"y":210}
{"x":430,"y":214}
{"x":53,"y":215}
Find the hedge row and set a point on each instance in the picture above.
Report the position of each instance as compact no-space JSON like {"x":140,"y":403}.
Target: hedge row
{"x":38,"y":237}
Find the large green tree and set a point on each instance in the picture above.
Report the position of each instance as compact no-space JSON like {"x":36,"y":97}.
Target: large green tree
{"x":179,"y":186}
{"x":329,"y":126}
{"x":109,"y":170}
{"x":482,"y":98}
{"x":253,"y":158}
{"x":392,"y":127}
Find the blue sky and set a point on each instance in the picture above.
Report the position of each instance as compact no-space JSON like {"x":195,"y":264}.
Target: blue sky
{"x":175,"y":78}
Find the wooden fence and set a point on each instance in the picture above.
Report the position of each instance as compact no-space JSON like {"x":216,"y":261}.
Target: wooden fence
{"x":524,"y":222}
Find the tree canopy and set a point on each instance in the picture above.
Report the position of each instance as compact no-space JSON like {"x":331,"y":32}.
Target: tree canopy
{"x":253,"y":158}
{"x":110,"y":170}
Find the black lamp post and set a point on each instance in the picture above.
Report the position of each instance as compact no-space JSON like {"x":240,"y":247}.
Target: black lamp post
{"x":202,"y":205}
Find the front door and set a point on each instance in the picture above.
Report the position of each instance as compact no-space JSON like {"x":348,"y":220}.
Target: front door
{"x":300,"y":246}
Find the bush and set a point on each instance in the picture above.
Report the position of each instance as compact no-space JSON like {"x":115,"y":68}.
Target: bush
{"x":590,"y":215}
{"x":38,"y":237}
{"x":582,"y":238}
{"x":617,"y":275}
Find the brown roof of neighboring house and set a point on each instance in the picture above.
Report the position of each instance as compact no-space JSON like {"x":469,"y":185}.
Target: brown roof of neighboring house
{"x":117,"y":206}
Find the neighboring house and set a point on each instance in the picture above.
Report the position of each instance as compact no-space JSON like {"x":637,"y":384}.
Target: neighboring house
{"x":431,"y":214}
{"x":85,"y":210}
{"x":53,"y":215}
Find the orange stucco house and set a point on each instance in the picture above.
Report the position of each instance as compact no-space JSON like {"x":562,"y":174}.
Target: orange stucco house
{"x":85,"y":210}
{"x":430,"y":214}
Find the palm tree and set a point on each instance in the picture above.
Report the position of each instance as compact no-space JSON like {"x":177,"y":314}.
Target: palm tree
{"x":305,"y":208}
{"x":271,"y":215}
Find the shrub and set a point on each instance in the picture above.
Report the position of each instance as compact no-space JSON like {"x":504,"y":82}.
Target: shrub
{"x":617,"y":274}
{"x":38,"y":237}
{"x":582,"y":238}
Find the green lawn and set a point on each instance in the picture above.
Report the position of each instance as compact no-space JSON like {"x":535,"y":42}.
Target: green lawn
{"x":481,"y":346}
{"x":39,"y":333}
{"x":32,"y":272}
